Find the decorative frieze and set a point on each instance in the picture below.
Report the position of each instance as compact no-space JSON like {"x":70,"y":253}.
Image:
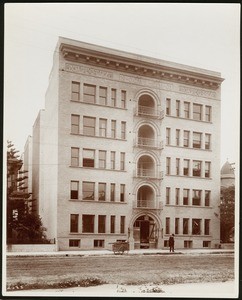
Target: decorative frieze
{"x":140,"y":80}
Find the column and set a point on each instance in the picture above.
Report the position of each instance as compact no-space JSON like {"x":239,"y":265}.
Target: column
{"x":108,"y":222}
{"x":108,"y":192}
{"x":108,"y":96}
{"x":81,"y":91}
{"x":97,"y":127}
{"x":97,"y":95}
{"x":96,"y":162}
{"x":131,"y":238}
{"x":96,"y":224}
{"x":202,"y":227}
{"x":190,"y":167}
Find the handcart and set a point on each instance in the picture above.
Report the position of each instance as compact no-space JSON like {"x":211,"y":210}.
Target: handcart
{"x":120,"y":247}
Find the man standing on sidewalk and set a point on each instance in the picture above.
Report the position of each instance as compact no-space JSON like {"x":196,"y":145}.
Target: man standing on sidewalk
{"x":171,"y":243}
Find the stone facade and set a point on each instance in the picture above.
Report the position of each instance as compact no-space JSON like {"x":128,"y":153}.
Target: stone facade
{"x":118,"y":132}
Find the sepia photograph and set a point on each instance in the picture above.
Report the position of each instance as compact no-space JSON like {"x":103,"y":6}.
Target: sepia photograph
{"x":121,"y":148}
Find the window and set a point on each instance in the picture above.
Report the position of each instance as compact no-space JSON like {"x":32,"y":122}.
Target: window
{"x":196,"y":197}
{"x":102,"y":191}
{"x":168,"y":106}
{"x":89,"y":93}
{"x":186,"y":110}
{"x":207,"y":198}
{"x":74,"y":189}
{"x":101,"y":224}
{"x":168,"y":136}
{"x":112,"y":160}
{"x":74,"y":243}
{"x":88,"y":190}
{"x":177,"y":137}
{"x":186,"y":167}
{"x":207,"y":141}
{"x":123,"y":99}
{"x":88,"y":223}
{"x":74,"y":157}
{"x":185,"y":196}
{"x":177,"y":166}
{"x":112,"y":224}
{"x":178,"y":108}
{"x":167,"y":195}
{"x":75,"y":91}
{"x":75,"y":121}
{"x":122,"y":161}
{"x":88,"y":159}
{"x":187,"y":244}
{"x":122,"y":192}
{"x":113,"y":129}
{"x":196,"y":168}
{"x":206,"y":226}
{"x":208,"y":113}
{"x":168,"y":165}
{"x":177,"y":196}
{"x":185,"y":225}
{"x":197,"y":140}
{"x":102,"y":159}
{"x":74,"y":223}
{"x":206,"y":244}
{"x":207,"y":169}
{"x":89,"y":126}
{"x":197,"y":112}
{"x":122,"y":224}
{"x":112,"y":192}
{"x":176,"y":225}
{"x":113,"y":97}
{"x":123,"y":130}
{"x":103,"y":127}
{"x":98,"y":243}
{"x":196,"y":226}
{"x":167,"y":225}
{"x":186,"y":138}
{"x":102,"y":95}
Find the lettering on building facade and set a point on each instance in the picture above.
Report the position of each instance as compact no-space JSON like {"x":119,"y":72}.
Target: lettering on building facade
{"x":197,"y":92}
{"x":139,"y":80}
{"x":88,"y":71}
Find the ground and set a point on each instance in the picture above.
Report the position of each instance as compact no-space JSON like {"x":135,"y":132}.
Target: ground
{"x":52,"y":271}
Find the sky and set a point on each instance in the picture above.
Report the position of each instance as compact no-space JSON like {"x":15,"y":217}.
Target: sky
{"x":201,"y":35}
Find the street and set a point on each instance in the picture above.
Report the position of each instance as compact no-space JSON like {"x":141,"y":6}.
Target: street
{"x":43,"y":272}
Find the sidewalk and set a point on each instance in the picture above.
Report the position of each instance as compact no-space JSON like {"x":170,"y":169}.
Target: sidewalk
{"x":131,"y":252}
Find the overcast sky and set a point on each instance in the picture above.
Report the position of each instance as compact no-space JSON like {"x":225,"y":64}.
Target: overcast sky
{"x":200,"y":35}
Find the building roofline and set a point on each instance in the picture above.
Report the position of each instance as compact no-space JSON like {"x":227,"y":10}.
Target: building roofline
{"x":93,"y":54}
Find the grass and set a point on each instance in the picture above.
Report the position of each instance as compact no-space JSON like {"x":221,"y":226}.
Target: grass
{"x":62,"y":272}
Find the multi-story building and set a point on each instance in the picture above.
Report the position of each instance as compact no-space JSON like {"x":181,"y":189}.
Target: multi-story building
{"x":127,"y":148}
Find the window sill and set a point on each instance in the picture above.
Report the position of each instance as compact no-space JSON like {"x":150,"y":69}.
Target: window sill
{"x":96,"y":104}
{"x":90,"y":168}
{"x":186,"y":176}
{"x":189,"y":119}
{"x":190,"y":148}
{"x":99,"y":137}
{"x":97,"y":201}
{"x":190,"y":206}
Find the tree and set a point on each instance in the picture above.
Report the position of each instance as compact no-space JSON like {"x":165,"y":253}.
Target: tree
{"x":227,"y":211}
{"x":22,"y":223}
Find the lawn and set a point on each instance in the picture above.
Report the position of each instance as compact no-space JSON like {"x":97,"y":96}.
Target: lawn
{"x":124,"y":269}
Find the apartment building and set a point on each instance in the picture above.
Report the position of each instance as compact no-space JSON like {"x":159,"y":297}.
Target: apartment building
{"x":127,"y":148}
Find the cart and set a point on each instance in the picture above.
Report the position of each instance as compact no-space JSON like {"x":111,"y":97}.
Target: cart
{"x":120,"y":247}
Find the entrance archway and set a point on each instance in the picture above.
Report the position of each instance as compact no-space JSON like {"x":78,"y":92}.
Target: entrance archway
{"x":145,"y":232}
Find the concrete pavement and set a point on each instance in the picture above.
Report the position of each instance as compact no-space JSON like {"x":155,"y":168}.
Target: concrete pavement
{"x":130,"y":252}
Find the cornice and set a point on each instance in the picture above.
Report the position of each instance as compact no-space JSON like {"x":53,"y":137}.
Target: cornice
{"x":138,"y":66}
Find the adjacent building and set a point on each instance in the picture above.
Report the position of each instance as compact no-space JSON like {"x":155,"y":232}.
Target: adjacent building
{"x":227,"y":175}
{"x":127,"y":148}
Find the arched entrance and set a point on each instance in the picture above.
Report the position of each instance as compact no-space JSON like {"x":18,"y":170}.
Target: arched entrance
{"x":145,"y":232}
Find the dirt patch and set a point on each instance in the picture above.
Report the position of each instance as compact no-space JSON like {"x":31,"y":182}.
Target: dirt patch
{"x":50,"y":272}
